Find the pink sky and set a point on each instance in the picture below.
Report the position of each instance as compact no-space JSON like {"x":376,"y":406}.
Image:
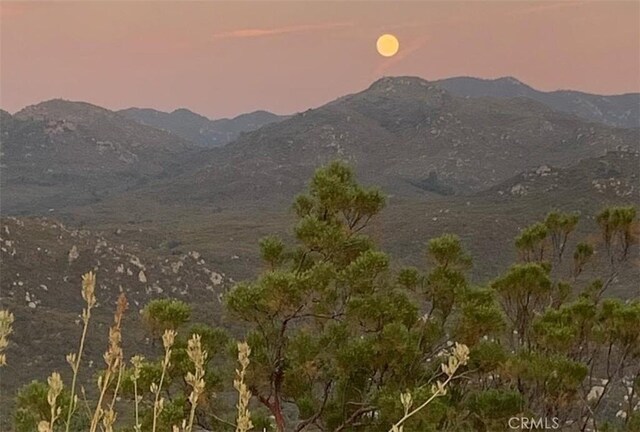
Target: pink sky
{"x":223,"y":59}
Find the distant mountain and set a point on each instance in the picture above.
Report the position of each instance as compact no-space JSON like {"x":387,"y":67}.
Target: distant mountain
{"x":59,"y":153}
{"x":182,"y":122}
{"x":616,"y":110}
{"x":199,"y":129}
{"x":4,"y":117}
{"x":410,"y":136}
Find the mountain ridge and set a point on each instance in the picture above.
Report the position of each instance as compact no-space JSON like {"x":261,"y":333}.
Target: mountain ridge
{"x":397,"y":132}
{"x":198,"y":128}
{"x":408,"y":135}
{"x":60,"y":152}
{"x":621,"y":110}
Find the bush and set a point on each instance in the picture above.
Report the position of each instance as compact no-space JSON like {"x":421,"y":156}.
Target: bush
{"x":165,"y":314}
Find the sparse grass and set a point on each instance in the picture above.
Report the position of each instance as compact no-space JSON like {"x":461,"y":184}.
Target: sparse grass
{"x":105,"y":414}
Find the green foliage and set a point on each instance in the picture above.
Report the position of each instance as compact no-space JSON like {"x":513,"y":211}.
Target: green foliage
{"x":616,"y":218}
{"x":215,"y":342}
{"x":333,"y":330}
{"x":559,"y":226}
{"x":616,"y":224}
{"x":149,"y":373}
{"x":162,"y":314}
{"x":261,"y":422}
{"x":491,"y":409}
{"x":633,"y":424}
{"x":619,"y":323}
{"x":272,"y":250}
{"x":325,"y":317}
{"x":172,"y":414}
{"x":409,"y":278}
{"x":373,"y":312}
{"x":446,"y":282}
{"x":480,"y":316}
{"x":428,"y":420}
{"x":337,"y":333}
{"x":487,"y":357}
{"x":563,"y":330}
{"x":524,"y":290}
{"x":447,"y":252}
{"x":443,"y":287}
{"x":548,"y":381}
{"x":582,"y":254}
{"x":333,"y":190}
{"x":530,"y":242}
{"x":32,"y":407}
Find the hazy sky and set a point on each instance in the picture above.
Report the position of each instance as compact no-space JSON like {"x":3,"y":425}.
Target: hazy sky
{"x":222,"y":59}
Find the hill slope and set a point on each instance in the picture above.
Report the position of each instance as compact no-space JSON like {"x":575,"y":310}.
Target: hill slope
{"x":42,"y":261}
{"x":615,"y":110}
{"x":59,"y":153}
{"x":405,"y":134}
{"x":616,"y":174}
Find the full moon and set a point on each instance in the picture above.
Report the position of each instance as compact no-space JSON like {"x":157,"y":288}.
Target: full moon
{"x":387,"y":45}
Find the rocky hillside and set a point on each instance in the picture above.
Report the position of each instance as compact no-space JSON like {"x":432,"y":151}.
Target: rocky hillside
{"x":42,"y":264}
{"x":407,"y":135}
{"x":60,"y":153}
{"x":614,"y":175}
{"x":199,"y":129}
{"x":615,"y":110}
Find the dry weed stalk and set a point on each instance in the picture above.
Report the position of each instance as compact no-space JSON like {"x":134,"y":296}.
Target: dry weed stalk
{"x":168,"y":338}
{"x":459,"y":356}
{"x":243,"y":421}
{"x":55,"y":388}
{"x":6,"y":328}
{"x":105,"y":417}
{"x":136,"y":362}
{"x":110,"y":415}
{"x":196,"y":380}
{"x":198,"y":357}
{"x":113,"y":358}
{"x":89,"y":296}
{"x":182,"y":428}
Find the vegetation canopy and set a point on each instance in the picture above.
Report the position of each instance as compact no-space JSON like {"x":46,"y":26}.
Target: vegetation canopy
{"x":333,"y":336}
